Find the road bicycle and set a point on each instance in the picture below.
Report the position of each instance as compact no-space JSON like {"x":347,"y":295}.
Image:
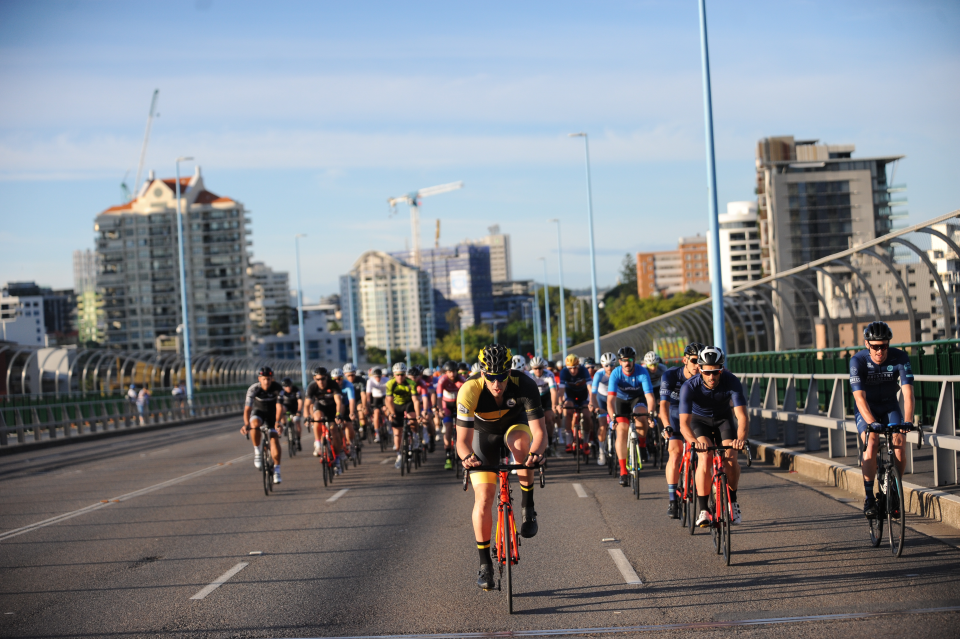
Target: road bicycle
{"x":634,"y":459}
{"x":687,"y":488}
{"x":719,"y":506}
{"x":266,"y":459}
{"x":890,"y":498}
{"x":655,"y":447}
{"x":409,"y":445}
{"x":293,"y":437}
{"x":327,"y":459}
{"x":507,"y":546}
{"x":613,"y":465}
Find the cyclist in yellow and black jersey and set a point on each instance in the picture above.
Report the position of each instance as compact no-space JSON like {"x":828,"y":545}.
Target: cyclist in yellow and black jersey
{"x":497,"y":408}
{"x":400,"y":399}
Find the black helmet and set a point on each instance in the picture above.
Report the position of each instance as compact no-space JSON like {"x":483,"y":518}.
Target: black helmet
{"x":287,"y":382}
{"x":711,"y":356}
{"x":589,"y":363}
{"x":450,"y":366}
{"x":415,"y":371}
{"x":627,"y":352}
{"x":462,"y":366}
{"x":265,"y":371}
{"x":495,"y":359}
{"x":877,"y":331}
{"x":693,"y":348}
{"x":376,"y":372}
{"x":320,"y":371}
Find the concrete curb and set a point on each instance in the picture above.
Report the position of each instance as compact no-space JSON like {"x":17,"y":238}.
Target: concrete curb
{"x":920,"y":500}
{"x":12,"y":449}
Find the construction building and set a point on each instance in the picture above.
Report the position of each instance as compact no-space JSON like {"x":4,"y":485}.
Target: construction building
{"x":269,"y":298}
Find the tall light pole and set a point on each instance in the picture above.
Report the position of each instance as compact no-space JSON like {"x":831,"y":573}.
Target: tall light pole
{"x":538,"y":341}
{"x":183,"y":293}
{"x":546,"y":302}
{"x":354,"y":349}
{"x":563,"y":304}
{"x":716,"y":288}
{"x":303,"y":339}
{"x":463,"y":347}
{"x":593,"y":259}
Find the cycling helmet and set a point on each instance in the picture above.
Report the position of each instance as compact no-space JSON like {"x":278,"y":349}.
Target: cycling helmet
{"x":265,"y":371}
{"x":572,"y":360}
{"x":608,"y":359}
{"x":693,"y":348}
{"x":651,"y":359}
{"x":287,"y":382}
{"x":450,"y":367}
{"x":589,"y":363}
{"x":537,"y":362}
{"x":475,"y":368}
{"x":518,"y":362}
{"x":376,"y":372}
{"x":320,"y":370}
{"x":559,"y":364}
{"x":711,"y":356}
{"x":495,"y":359}
{"x":349,"y":368}
{"x":462,"y":366}
{"x":399,"y":367}
{"x":414,"y":371}
{"x":627,"y":352}
{"x":877,"y":331}
{"x":427,"y":372}
{"x":336,"y":373}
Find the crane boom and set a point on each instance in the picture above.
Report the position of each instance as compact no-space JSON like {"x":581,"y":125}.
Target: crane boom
{"x":146,"y":138}
{"x":437,"y":190}
{"x":413,"y":200}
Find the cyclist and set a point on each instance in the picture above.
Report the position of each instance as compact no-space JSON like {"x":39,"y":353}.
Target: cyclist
{"x":497,"y":408}
{"x":427,"y":390}
{"x":447,"y":388}
{"x":463,"y":370}
{"x":518,"y":363}
{"x":628,"y":385}
{"x":705,"y":419}
{"x":348,"y":409}
{"x":875,"y":374}
{"x":670,"y":384}
{"x":324,"y":404}
{"x":376,"y":392}
{"x":547,"y":384}
{"x":401,"y":400}
{"x":576,"y":387}
{"x":292,"y":400}
{"x":601,"y":379}
{"x":262,"y":406}
{"x":355,"y":377}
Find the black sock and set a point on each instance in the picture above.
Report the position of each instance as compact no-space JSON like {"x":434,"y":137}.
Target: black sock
{"x":484,"y":548}
{"x":733,"y":496}
{"x":868,"y":488}
{"x":526,"y":496}
{"x":703,"y":502}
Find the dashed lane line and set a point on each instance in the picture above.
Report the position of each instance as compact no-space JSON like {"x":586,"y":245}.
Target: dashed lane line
{"x":137,"y":493}
{"x":581,"y":493}
{"x":219,"y":581}
{"x":623,"y":564}
{"x":338,"y":495}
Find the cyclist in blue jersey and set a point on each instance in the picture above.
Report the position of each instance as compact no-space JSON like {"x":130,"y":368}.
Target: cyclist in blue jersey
{"x":628,"y":385}
{"x":576,"y":387}
{"x":601,"y":379}
{"x":349,"y":409}
{"x":876,"y":374}
{"x":670,"y":383}
{"x":706,"y":419}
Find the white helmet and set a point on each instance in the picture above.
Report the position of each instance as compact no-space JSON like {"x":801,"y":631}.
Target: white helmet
{"x":651,"y":359}
{"x":518,"y":362}
{"x":608,"y":359}
{"x":537,"y":362}
{"x":399,"y":367}
{"x":349,"y":368}
{"x":428,"y":372}
{"x":475,"y":368}
{"x":559,"y":364}
{"x":336,"y":373}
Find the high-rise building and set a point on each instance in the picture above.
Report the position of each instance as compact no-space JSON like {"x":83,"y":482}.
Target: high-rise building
{"x":269,"y":300}
{"x":22,"y":317}
{"x":669,"y":272}
{"x":501,"y":268}
{"x":740,"y":257}
{"x":58,"y":307}
{"x":139,"y":279}
{"x":84,"y":271}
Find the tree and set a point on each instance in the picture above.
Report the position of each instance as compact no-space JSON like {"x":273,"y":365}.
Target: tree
{"x":628,"y":271}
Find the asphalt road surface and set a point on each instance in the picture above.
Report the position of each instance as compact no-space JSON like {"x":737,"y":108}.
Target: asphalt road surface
{"x":121,"y":538}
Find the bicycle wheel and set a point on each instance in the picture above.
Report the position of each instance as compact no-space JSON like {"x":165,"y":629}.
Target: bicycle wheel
{"x":291,"y":444}
{"x":723,"y":520}
{"x":635,"y":478}
{"x":714,"y":510}
{"x":323,"y":466}
{"x":508,"y":545}
{"x":263,"y":469}
{"x":895,"y":506}
{"x":268,"y":477}
{"x":577,"y":451}
{"x":876,"y":523}
{"x":682,"y":489}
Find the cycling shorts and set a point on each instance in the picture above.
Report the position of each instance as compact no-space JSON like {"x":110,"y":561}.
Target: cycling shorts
{"x":546,"y":402}
{"x":718,"y":429}
{"x":376,"y":402}
{"x":399,"y":411}
{"x":450,"y":408}
{"x":891,"y":414}
{"x":489,"y":448}
{"x":270,"y":419}
{"x":328,"y":412}
{"x":575,"y":402}
{"x":626,"y":408}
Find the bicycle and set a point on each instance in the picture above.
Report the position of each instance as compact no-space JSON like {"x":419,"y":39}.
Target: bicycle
{"x":890,"y":503}
{"x":326,"y":456}
{"x":507,"y":546}
{"x":654,"y":443}
{"x":634,"y":459}
{"x":266,"y":459}
{"x":719,"y":506}
{"x":293,"y":437}
{"x":687,"y":488}
{"x":611,"y":446}
{"x":408,"y":450}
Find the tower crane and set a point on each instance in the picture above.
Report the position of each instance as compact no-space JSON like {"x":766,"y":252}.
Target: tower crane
{"x":146,"y":138}
{"x":413,"y":200}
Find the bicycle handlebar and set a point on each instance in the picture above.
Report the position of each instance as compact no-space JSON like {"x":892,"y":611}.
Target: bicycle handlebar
{"x":745,"y":449}
{"x":892,"y":429}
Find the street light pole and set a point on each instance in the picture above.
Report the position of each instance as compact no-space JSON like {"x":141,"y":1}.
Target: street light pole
{"x":546,"y":302}
{"x":716,"y":287}
{"x":593,"y":259}
{"x":303,"y":339}
{"x":563,"y":304}
{"x":183,"y":293}
{"x":538,"y":342}
{"x":463,"y":348}
{"x":354,"y":349}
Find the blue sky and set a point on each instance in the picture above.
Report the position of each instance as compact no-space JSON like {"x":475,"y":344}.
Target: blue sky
{"x":313,"y":114}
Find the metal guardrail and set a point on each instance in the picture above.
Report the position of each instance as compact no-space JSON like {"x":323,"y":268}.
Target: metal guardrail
{"x":768,"y":417}
{"x":82,"y":416}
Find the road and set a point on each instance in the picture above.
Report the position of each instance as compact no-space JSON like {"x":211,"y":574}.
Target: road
{"x":396,"y":555}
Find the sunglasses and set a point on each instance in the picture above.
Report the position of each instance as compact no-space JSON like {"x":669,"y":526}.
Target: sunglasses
{"x":692,"y":360}
{"x":710,"y":373}
{"x":497,"y":378}
{"x":878,"y":347}
{"x":628,"y":360}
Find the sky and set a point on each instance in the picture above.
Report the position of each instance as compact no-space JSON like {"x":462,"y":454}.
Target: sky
{"x":312,"y":114}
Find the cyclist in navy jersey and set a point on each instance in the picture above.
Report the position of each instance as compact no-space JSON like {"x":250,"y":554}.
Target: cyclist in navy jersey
{"x":601,"y":379}
{"x":670,"y":384}
{"x":629,"y":393}
{"x":706,"y":420}
{"x":576,"y":387}
{"x":876,"y":374}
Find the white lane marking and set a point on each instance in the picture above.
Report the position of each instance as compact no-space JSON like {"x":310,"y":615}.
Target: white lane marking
{"x":386,"y":461}
{"x":580,"y":491}
{"x":339,"y":494}
{"x":143,"y":491}
{"x":629,"y":574}
{"x":219,"y":581}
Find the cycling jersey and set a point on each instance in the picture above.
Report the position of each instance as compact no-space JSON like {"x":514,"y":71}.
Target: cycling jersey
{"x":425,"y":388}
{"x":575,"y":385}
{"x":628,"y":387}
{"x":657,"y":375}
{"x":323,"y":397}
{"x":447,"y":388}
{"x":880,"y":382}
{"x":377,"y":388}
{"x":697,"y":399}
{"x":346,"y":388}
{"x":359,"y":385}
{"x":545,"y":383}
{"x":291,"y":400}
{"x":264,"y":401}
{"x":670,"y":384}
{"x":477,"y":407}
{"x":403,"y":392}
{"x":601,"y":382}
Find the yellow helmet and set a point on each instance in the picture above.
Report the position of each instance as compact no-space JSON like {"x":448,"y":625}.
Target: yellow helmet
{"x":495,"y":359}
{"x":572,"y":360}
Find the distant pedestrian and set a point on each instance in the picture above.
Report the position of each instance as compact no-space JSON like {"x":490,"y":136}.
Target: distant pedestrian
{"x":143,"y":403}
{"x":131,"y":398}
